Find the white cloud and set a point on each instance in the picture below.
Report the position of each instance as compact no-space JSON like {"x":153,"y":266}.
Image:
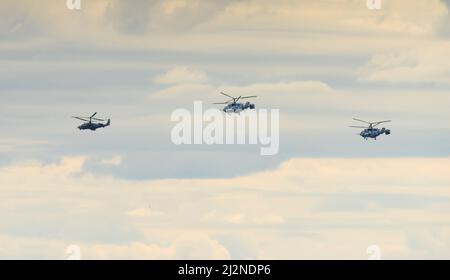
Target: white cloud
{"x":305,"y":208}
{"x":420,"y":64}
{"x":113,"y":161}
{"x":8,"y":145}
{"x":278,"y":93}
{"x":144,"y":213}
{"x":269,"y":220}
{"x":292,"y":87}
{"x":191,"y":245}
{"x":188,"y":246}
{"x":242,"y":218}
{"x":181,"y":75}
{"x":396,"y":16}
{"x":245,"y":27}
{"x":321,"y":208}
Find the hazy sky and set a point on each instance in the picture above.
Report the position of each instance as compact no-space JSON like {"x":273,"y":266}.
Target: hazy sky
{"x":127,"y":192}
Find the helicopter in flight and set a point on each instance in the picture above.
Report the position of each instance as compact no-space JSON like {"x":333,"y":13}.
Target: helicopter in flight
{"x":233,"y":106}
{"x":92,"y":125}
{"x":371,"y":131}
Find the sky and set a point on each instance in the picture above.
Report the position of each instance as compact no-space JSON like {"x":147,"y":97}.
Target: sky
{"x":127,"y":191}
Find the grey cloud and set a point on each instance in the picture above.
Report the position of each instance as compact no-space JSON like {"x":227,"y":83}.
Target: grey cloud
{"x":444,"y":27}
{"x":18,"y":20}
{"x":130,"y":16}
{"x":141,"y":16}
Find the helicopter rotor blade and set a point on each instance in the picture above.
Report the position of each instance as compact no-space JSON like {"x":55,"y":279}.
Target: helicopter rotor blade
{"x":377,"y":123}
{"x":358,"y":126}
{"x":100,"y":120}
{"x":227,"y":95}
{"x":222,"y":103}
{"x":81,"y":119}
{"x":362,"y":121}
{"x":253,"y":96}
{"x":93,"y":115}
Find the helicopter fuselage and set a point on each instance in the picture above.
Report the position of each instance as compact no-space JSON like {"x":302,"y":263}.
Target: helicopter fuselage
{"x":374,"y":132}
{"x":93,"y":126}
{"x":238,"y":107}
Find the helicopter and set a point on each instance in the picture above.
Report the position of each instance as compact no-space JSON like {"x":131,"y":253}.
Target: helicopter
{"x":371,"y":131}
{"x":92,"y":125}
{"x":234,"y":107}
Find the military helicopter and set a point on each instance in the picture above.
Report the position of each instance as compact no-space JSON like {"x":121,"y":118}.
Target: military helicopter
{"x":92,"y":125}
{"x":371,"y":131}
{"x":233,"y":106}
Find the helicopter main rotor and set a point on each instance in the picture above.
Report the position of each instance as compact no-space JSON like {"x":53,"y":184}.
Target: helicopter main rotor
{"x":89,"y":119}
{"x":371,"y":124}
{"x":234,"y":100}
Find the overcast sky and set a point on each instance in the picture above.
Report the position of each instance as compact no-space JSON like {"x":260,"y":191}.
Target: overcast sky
{"x":128,"y":192}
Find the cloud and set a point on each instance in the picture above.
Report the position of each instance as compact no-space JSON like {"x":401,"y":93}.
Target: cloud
{"x":129,"y":17}
{"x":269,"y":220}
{"x":277,"y":93}
{"x":421,"y":64}
{"x":181,"y":75}
{"x":28,"y":19}
{"x":320,"y":208}
{"x":141,"y":17}
{"x":9,"y":145}
{"x":144,"y":213}
{"x":242,"y":218}
{"x":300,"y":56}
{"x":189,"y":246}
{"x":245,"y":27}
{"x":114,"y":161}
{"x":36,"y":170}
{"x":396,"y":16}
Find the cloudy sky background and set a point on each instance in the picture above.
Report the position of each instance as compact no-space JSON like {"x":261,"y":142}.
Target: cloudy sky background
{"x":128,"y":192}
